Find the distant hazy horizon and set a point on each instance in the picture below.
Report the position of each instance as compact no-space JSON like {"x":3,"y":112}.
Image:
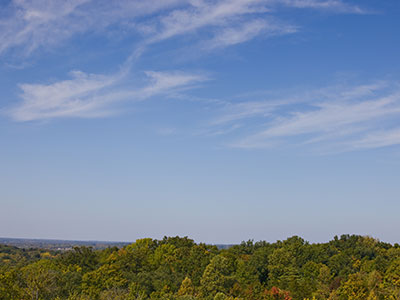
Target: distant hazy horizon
{"x":196,"y":241}
{"x":20,"y":240}
{"x":220,"y":120}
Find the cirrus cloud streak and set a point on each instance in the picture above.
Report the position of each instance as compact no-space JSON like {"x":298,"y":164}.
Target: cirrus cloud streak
{"x":333,"y":119}
{"x":91,"y":95}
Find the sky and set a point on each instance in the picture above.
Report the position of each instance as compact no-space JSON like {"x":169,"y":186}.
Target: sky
{"x":221,"y":120}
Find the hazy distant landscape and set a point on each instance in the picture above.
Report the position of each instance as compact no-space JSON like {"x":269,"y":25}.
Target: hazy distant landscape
{"x":58,"y":244}
{"x":64,"y":245}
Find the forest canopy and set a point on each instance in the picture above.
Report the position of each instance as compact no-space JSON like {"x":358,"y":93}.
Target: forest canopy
{"x":176,"y":268}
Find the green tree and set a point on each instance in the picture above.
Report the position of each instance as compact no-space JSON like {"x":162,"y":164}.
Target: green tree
{"x":353,"y":289}
{"x":40,"y":280}
{"x":186,"y":288}
{"x":216,"y":277}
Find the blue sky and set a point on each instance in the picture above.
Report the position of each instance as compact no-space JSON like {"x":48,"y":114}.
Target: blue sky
{"x":220,"y":120}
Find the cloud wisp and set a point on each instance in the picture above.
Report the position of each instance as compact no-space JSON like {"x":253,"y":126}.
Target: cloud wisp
{"x":202,"y":14}
{"x":28,"y":26}
{"x":331,"y":119}
{"x":231,"y":22}
{"x":91,"y":95}
{"x":31,"y":25}
{"x":247,"y":31}
{"x":329,"y":5}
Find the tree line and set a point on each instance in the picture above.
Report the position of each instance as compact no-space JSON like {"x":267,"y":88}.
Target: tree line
{"x":348,"y":267}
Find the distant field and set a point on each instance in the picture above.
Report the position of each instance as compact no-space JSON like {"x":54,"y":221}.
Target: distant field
{"x":58,"y":244}
{"x":64,"y":245}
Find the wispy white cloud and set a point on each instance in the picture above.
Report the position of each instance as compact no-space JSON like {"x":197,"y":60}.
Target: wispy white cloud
{"x":244,"y":110}
{"x":325,"y":117}
{"x":91,"y":95}
{"x":166,"y":81}
{"x":340,"y":118}
{"x":247,"y":31}
{"x":224,"y":15}
{"x":378,"y":139}
{"x":27,"y":25}
{"x":220,"y":131}
{"x":329,"y":5}
{"x":203,"y":14}
{"x":31,"y":24}
{"x":72,"y":97}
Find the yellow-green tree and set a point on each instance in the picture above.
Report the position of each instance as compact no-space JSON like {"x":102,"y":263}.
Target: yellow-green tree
{"x":216,"y":277}
{"x":40,"y":280}
{"x":354,"y":288}
{"x":186,"y":288}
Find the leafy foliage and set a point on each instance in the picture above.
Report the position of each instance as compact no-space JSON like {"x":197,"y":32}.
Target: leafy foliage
{"x":349,"y":267}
